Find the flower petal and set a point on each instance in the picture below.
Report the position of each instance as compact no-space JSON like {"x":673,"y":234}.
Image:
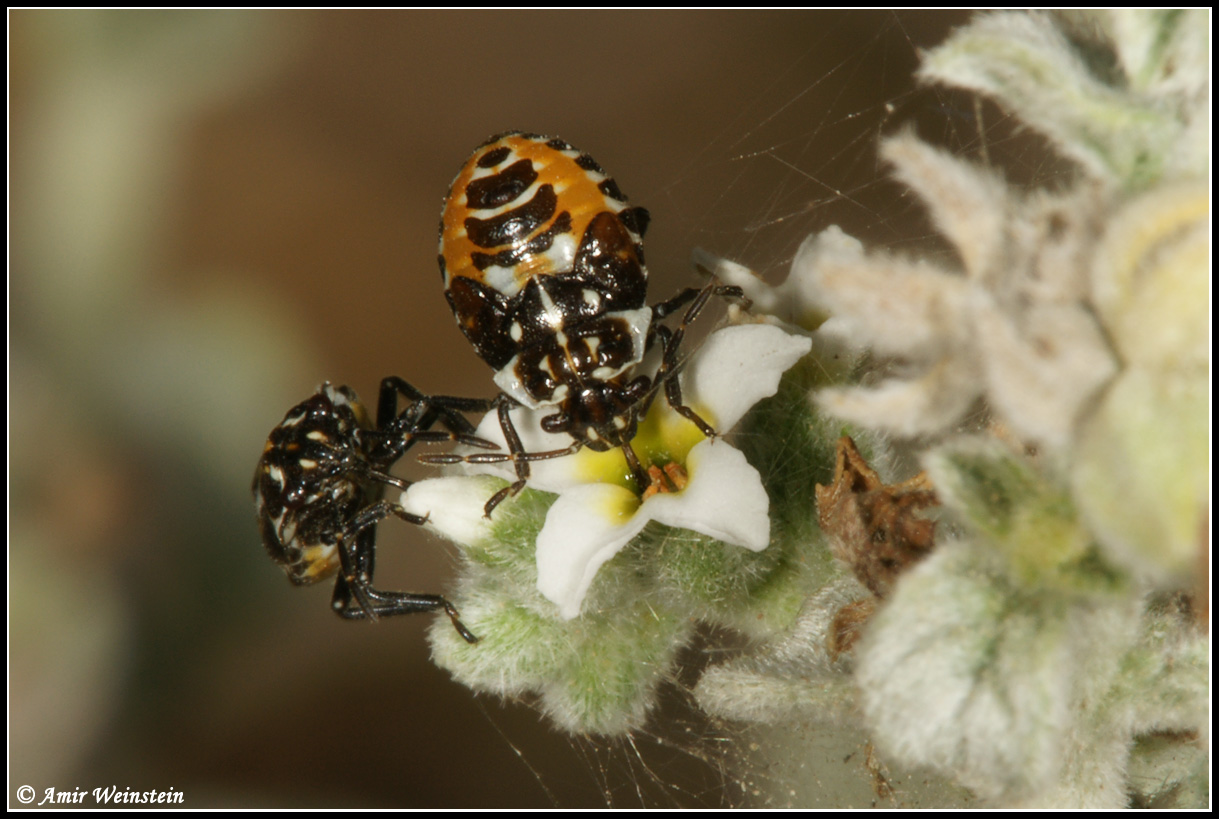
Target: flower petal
{"x":724,"y":499}
{"x":584,"y":528}
{"x":737,"y":367}
{"x":453,"y":506}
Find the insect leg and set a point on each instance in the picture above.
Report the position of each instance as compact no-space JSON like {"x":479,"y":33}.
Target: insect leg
{"x":397,"y":432}
{"x":671,"y":341}
{"x":426,"y":409}
{"x":357,"y":555}
{"x":516,"y":454}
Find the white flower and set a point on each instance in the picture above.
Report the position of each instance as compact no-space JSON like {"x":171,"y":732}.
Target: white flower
{"x":717,"y":492}
{"x":797,"y":301}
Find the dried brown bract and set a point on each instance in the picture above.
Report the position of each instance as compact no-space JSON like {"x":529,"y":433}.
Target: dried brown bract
{"x":873,"y":527}
{"x":847,"y":626}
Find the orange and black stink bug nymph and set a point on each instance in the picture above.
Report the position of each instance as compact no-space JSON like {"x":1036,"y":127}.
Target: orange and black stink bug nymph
{"x":542,"y":259}
{"x":318,"y":484}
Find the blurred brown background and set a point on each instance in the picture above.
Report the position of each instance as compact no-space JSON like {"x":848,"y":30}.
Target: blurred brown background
{"x":212,"y":212}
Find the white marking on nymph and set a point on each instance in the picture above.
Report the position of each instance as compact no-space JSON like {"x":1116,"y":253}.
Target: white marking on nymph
{"x":316,"y":435}
{"x":593,"y":342}
{"x":592,"y":298}
{"x":515,"y":332}
{"x":619,"y":422}
{"x":277,"y":475}
{"x":561,"y":255}
{"x":501,"y":280}
{"x":293,"y":420}
{"x":307,"y":463}
{"x":552,"y":314}
{"x":337,"y":396}
{"x":508,"y":381}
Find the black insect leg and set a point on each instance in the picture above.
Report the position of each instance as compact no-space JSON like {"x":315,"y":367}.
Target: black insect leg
{"x":398,"y":432}
{"x":637,"y":471}
{"x":516,"y":454}
{"x":699,"y":297}
{"x":670,"y":342}
{"x":390,"y":603}
{"x":426,"y":407}
{"x":503,"y":404}
{"x":666,"y":377}
{"x":357,"y":555}
{"x":674,"y":303}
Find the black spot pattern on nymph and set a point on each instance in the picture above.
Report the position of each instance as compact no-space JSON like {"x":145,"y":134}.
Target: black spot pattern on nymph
{"x":609,"y":261}
{"x":636,"y":220}
{"x":540,"y":355}
{"x":491,"y":140}
{"x":534,"y":377}
{"x":589,"y":164}
{"x":482,"y":315}
{"x":513,"y":255}
{"x":332,"y":453}
{"x":618,"y":287}
{"x":615,"y":343}
{"x":558,"y":144}
{"x":501,"y":188}
{"x":493,"y":157}
{"x":610,"y":188}
{"x":515,"y":226}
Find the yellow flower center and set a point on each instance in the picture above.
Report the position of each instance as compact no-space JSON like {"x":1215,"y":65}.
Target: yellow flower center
{"x":662,"y":441}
